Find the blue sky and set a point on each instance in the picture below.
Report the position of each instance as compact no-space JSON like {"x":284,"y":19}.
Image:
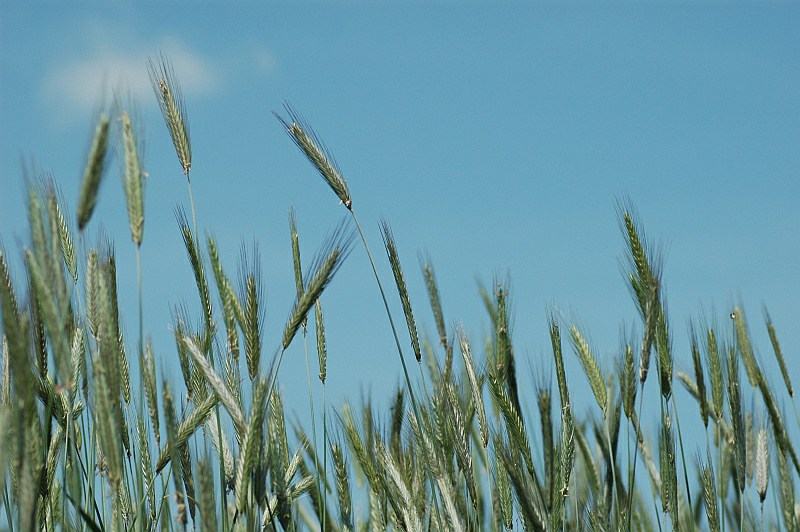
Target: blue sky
{"x":494,"y":136}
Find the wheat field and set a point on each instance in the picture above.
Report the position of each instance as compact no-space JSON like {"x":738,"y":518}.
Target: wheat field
{"x":92,"y":437}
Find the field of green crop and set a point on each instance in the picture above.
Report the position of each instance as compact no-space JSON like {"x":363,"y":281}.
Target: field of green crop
{"x":92,"y":438}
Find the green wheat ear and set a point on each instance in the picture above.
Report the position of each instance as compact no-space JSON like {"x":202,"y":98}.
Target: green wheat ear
{"x":95,"y":170}
{"x":173,"y":109}
{"x":319,"y":156}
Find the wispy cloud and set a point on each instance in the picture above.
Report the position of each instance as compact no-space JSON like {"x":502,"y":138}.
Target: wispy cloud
{"x":116,"y":61}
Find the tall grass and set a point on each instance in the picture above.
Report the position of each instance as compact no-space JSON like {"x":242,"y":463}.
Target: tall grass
{"x":458,"y":451}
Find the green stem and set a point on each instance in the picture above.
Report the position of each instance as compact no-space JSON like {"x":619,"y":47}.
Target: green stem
{"x":191,"y":198}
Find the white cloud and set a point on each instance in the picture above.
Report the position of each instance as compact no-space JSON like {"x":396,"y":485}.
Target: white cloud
{"x":109,"y":60}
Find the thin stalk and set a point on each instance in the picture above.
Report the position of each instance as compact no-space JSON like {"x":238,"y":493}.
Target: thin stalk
{"x":683,"y":457}
{"x":191,"y":199}
{"x":389,"y":314}
{"x":320,"y":481}
{"x":632,"y":474}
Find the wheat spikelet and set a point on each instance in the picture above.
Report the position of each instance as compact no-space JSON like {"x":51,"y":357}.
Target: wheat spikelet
{"x":95,"y":170}
{"x":316,"y":152}
{"x":150,"y":389}
{"x":174,"y":452}
{"x":207,"y":502}
{"x":737,"y":417}
{"x":710,"y":496}
{"x":251,"y":442}
{"x":252,"y":336}
{"x":698,"y":375}
{"x":173,"y":109}
{"x":773,"y":337}
{"x":199,"y":275}
{"x":133,"y":180}
{"x":221,"y":390}
{"x":743,"y":341}
{"x":590,"y":368}
{"x":342,"y":487}
{"x":397,"y":270}
{"x":322,"y":350}
{"x":67,"y":246}
{"x":762,"y":464}
{"x":433,"y":295}
{"x":324,"y":266}
{"x":184,"y":430}
{"x":475,"y":387}
{"x":512,"y":418}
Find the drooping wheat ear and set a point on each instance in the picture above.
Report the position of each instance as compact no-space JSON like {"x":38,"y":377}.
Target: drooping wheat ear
{"x":778,"y":353}
{"x":397,"y":270}
{"x":323,"y":267}
{"x":710,"y":495}
{"x":590,"y":368}
{"x":173,"y":109}
{"x":95,"y":170}
{"x":433,"y":295}
{"x":749,"y":359}
{"x":475,"y":386}
{"x":762,"y":464}
{"x":316,"y":152}
{"x":133,"y":179}
{"x":737,"y":417}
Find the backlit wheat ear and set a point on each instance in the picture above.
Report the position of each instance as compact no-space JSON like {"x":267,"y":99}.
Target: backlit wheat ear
{"x":173,"y":109}
{"x":95,"y":170}
{"x":319,"y":156}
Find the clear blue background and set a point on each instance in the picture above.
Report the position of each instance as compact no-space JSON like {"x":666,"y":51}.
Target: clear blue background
{"x":495,"y":136}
